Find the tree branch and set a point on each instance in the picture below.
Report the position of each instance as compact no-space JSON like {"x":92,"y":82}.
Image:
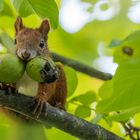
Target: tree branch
{"x":56,"y":117}
{"x":82,"y":67}
{"x":131,"y":131}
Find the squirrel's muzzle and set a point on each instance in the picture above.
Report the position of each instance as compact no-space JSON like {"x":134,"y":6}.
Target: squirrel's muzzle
{"x":25,"y":55}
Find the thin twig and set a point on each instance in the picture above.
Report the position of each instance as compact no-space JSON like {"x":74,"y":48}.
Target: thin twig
{"x":82,"y":67}
{"x":131,"y":131}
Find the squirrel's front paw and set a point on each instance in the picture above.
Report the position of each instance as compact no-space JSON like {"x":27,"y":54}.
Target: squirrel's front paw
{"x":39,"y":106}
{"x":49,"y":73}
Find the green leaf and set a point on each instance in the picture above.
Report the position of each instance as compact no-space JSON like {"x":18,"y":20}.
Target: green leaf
{"x":1,"y":5}
{"x":5,"y":9}
{"x":23,"y":7}
{"x":124,"y":115}
{"x":46,"y":8}
{"x":97,"y":118}
{"x":90,"y":9}
{"x":90,"y":1}
{"x":7,"y":42}
{"x":86,"y":99}
{"x":43,"y":8}
{"x":83,"y":111}
{"x":125,"y":90}
{"x":72,"y":80}
{"x":129,"y":49}
{"x":57,"y":134}
{"x":36,"y":132}
{"x":114,"y":43}
{"x":106,"y":89}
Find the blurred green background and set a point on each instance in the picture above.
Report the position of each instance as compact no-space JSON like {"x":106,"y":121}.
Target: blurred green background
{"x":81,"y":30}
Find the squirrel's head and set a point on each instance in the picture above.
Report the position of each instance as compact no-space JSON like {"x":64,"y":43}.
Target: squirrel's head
{"x":31,"y":42}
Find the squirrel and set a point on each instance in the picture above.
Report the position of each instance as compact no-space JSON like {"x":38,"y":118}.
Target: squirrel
{"x":31,"y":43}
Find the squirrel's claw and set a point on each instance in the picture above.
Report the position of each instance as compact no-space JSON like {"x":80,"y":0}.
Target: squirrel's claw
{"x":39,"y":106}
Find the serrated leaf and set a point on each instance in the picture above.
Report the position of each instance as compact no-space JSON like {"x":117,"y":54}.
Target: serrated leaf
{"x":82,"y":112}
{"x":72,"y":80}
{"x":86,"y":99}
{"x":43,"y":8}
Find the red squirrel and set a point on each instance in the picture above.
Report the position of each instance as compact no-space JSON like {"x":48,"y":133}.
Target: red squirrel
{"x":31,"y":43}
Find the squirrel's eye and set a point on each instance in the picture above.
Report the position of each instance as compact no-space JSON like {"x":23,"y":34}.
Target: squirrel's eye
{"x":41,"y":44}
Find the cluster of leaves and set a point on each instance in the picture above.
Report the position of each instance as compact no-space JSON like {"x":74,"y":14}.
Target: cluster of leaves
{"x":123,"y":90}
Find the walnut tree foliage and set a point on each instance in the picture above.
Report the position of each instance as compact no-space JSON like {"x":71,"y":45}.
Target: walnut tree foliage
{"x":106,"y":103}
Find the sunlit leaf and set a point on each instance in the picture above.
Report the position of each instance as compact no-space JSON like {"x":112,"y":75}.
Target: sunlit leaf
{"x":90,"y":1}
{"x":72,"y":80}
{"x":125,"y":89}
{"x":5,"y":9}
{"x":3,"y":49}
{"x":114,"y":43}
{"x":86,"y":99}
{"x":31,"y":132}
{"x":97,"y":118}
{"x":23,"y":7}
{"x":57,"y":134}
{"x":82,"y":111}
{"x":129,"y":49}
{"x":1,"y":5}
{"x":136,"y":119}
{"x":124,"y":115}
{"x":7,"y":42}
{"x":7,"y":127}
{"x":90,"y":9}
{"x":43,"y":8}
{"x":106,"y":90}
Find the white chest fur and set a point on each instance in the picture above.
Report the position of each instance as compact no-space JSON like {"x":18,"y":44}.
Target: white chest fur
{"x":27,"y":86}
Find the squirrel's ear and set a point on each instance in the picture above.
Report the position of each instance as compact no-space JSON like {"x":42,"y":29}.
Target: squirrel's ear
{"x":44,"y":28}
{"x":18,"y":24}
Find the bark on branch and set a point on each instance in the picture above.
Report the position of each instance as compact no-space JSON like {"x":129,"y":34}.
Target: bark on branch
{"x":82,"y":67}
{"x":57,"y":118}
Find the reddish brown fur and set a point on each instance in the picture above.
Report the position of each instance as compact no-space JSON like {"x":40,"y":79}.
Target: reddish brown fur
{"x":59,"y":98}
{"x":55,"y":93}
{"x":31,"y":37}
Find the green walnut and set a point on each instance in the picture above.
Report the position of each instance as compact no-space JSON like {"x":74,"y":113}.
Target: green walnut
{"x":11,"y":68}
{"x":42,"y":69}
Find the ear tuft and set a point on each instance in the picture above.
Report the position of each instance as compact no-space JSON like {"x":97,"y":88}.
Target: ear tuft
{"x":18,"y":24}
{"x":44,"y":28}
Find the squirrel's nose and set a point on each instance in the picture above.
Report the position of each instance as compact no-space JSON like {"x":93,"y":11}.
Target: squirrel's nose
{"x":25,"y":55}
